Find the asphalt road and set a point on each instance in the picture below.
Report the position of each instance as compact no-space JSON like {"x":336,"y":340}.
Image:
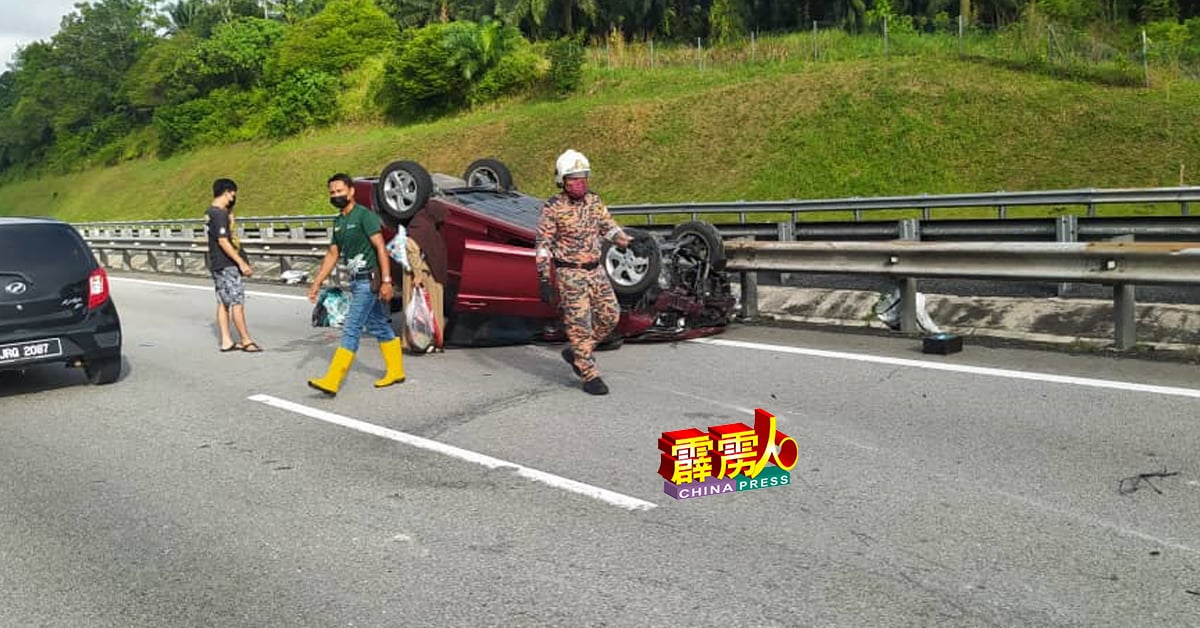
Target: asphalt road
{"x":210,"y":489}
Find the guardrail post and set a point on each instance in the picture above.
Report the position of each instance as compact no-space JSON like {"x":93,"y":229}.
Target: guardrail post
{"x":297,"y":232}
{"x":749,"y":295}
{"x":1066,"y":229}
{"x":787,"y":233}
{"x":1183,"y":208}
{"x":1124,"y":310}
{"x":910,"y":229}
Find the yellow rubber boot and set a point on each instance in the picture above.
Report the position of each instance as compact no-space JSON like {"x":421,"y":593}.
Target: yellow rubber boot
{"x":338,"y":367}
{"x":393,"y":357}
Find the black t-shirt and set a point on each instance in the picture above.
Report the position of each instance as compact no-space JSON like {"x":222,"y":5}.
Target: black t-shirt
{"x":216,"y":226}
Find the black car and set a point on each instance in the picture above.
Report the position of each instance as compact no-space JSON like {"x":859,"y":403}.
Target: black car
{"x":55,"y":305}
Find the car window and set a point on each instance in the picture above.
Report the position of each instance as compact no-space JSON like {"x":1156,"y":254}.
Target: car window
{"x":52,"y":252}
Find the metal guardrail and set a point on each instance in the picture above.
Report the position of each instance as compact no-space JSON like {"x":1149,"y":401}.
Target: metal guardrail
{"x":304,"y":227}
{"x":302,"y":238}
{"x":1000,"y":201}
{"x":191,"y":256}
{"x":1121,"y":264}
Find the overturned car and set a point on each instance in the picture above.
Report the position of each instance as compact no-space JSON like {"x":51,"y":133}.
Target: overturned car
{"x":676,"y":290}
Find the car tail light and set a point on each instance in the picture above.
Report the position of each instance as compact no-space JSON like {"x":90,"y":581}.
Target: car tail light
{"x":97,"y":288}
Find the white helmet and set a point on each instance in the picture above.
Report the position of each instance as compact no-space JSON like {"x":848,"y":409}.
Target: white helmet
{"x":570,"y":163}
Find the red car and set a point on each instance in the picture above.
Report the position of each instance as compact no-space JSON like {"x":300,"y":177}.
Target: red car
{"x":678,"y":292}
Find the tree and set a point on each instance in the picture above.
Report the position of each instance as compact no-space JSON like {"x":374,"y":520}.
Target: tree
{"x":338,"y":38}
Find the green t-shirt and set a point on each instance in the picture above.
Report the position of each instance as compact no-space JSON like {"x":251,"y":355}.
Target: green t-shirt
{"x":352,"y":234}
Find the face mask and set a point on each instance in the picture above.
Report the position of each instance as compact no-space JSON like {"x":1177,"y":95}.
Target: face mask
{"x":232,"y":202}
{"x":339,"y":202}
{"x":575,"y":188}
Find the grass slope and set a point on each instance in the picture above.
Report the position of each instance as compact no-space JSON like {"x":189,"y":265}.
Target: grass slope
{"x":796,"y":130}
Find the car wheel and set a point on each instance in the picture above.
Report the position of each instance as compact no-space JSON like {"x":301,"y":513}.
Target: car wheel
{"x":488,"y":173}
{"x":700,"y":242}
{"x":105,"y":371}
{"x":403,"y":188}
{"x":631,"y":273}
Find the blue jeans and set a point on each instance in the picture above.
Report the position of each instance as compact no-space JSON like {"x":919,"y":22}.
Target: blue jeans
{"x":366,"y":311}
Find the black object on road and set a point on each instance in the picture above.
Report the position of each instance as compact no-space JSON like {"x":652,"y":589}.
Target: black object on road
{"x":943,"y":344}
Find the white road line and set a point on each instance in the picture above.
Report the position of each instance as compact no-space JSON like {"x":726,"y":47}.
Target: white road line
{"x":604,"y":495}
{"x":959,"y":368}
{"x":165,"y":284}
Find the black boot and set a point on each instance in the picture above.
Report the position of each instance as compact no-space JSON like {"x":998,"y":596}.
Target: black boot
{"x":568,"y":354}
{"x":595,"y":386}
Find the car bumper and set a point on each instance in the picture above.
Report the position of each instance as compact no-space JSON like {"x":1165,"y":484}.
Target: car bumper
{"x":96,"y":337}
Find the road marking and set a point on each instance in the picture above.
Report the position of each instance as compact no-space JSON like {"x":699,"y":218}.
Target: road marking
{"x":595,"y":492}
{"x":165,"y":284}
{"x":960,"y":368}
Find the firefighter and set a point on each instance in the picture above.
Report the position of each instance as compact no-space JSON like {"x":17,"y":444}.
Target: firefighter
{"x":570,"y":232}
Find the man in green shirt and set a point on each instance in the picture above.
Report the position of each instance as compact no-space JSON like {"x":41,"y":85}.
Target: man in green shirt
{"x":357,"y":245}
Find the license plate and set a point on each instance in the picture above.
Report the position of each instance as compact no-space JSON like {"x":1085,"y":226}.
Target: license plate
{"x":32,"y":350}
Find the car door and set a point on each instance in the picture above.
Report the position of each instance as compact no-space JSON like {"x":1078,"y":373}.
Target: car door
{"x":500,"y":279}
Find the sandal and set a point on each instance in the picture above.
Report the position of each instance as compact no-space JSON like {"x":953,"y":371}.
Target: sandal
{"x":233,"y":347}
{"x":256,"y":349}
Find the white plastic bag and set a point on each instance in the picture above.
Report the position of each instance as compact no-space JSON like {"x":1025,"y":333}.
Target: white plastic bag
{"x":397,"y":249}
{"x":420,"y":324}
{"x":887,"y":310}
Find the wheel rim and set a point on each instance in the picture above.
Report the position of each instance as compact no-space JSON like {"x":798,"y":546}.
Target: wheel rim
{"x":626,"y":268}
{"x":400,"y":191}
{"x":483,"y":177}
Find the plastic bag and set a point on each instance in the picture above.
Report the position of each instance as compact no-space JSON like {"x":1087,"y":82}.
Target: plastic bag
{"x":396,"y":248}
{"x":887,"y":310}
{"x":331,"y":309}
{"x":420,"y":323}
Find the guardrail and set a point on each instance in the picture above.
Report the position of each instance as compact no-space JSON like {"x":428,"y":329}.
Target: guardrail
{"x":1120,"y":264}
{"x":191,"y":256}
{"x":296,"y":241}
{"x":1065,"y":228}
{"x":999,"y":201}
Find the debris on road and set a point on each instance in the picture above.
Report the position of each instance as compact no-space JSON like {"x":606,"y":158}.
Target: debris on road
{"x":1131,"y":484}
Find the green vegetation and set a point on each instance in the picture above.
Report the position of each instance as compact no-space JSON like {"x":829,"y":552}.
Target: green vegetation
{"x":854,"y":128}
{"x":131,"y":110}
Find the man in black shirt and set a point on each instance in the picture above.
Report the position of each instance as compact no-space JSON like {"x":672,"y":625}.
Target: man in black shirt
{"x":227,"y":267}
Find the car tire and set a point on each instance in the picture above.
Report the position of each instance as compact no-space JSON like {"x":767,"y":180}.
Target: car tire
{"x":631,"y":274}
{"x":402,"y":189}
{"x":695,"y":234}
{"x":103,"y":371}
{"x":489,"y":173}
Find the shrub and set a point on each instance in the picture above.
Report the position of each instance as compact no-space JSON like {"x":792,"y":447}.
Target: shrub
{"x":338,"y":38}
{"x":304,"y":99}
{"x":221,"y":117}
{"x":420,"y":77}
{"x":566,"y":64}
{"x":516,"y":72}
